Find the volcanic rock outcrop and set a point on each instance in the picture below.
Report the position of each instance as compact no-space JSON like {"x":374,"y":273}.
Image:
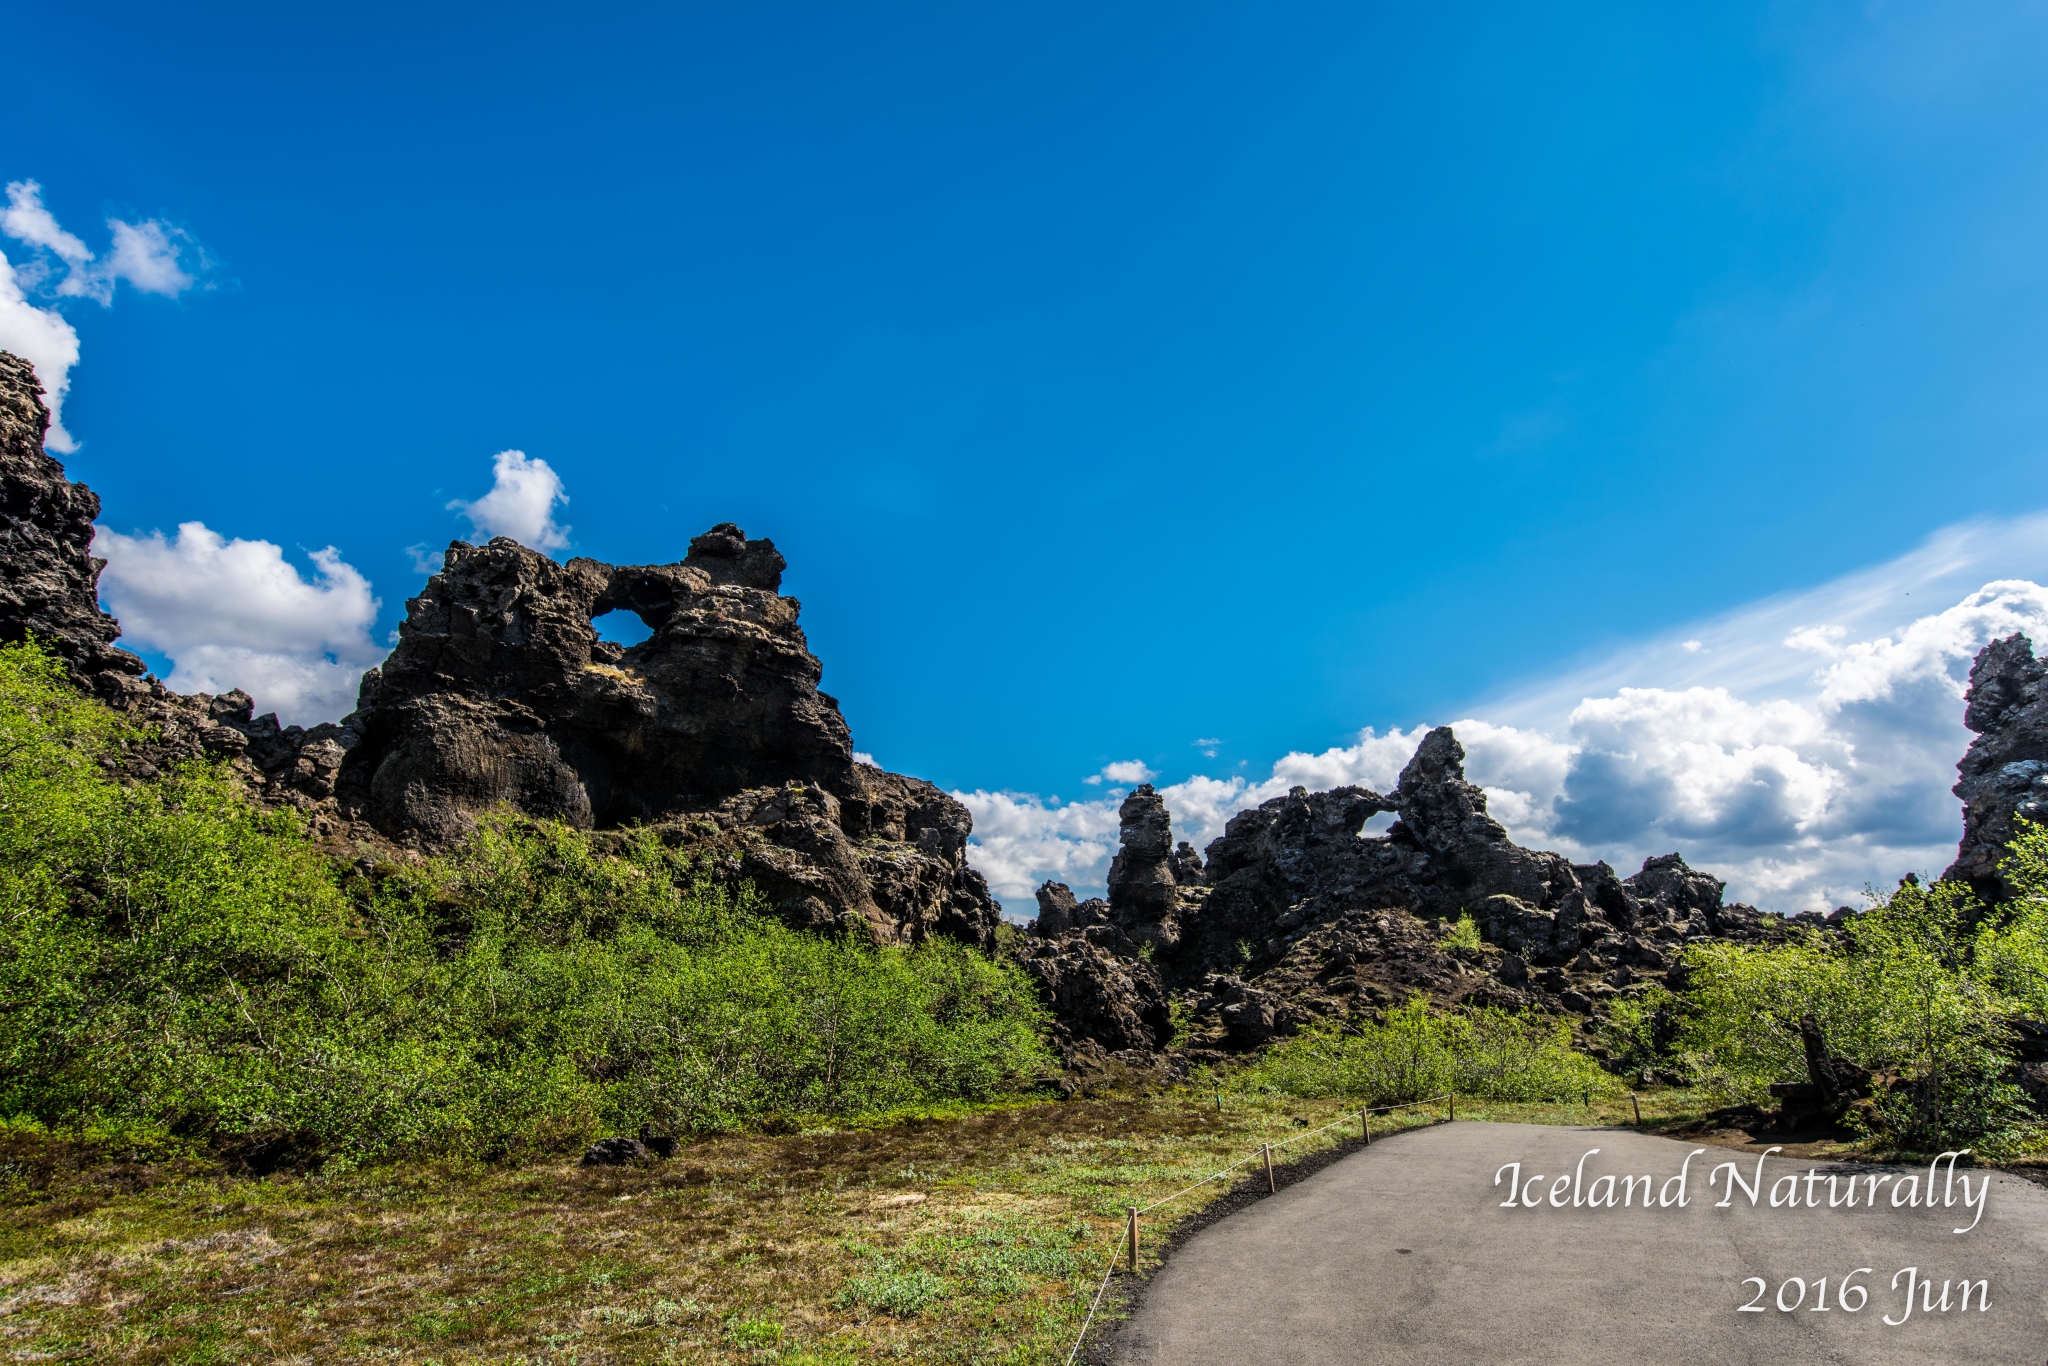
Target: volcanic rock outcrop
{"x":1093,"y":960}
{"x":500,"y":695}
{"x":1294,"y":913}
{"x":2004,"y":774}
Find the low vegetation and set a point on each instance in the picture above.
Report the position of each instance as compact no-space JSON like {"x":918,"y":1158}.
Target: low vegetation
{"x":1414,"y":1052}
{"x":176,"y":960}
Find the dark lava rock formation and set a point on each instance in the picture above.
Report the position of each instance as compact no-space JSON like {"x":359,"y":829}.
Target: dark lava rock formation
{"x":501,"y":696}
{"x":1295,"y":913}
{"x":2005,"y":772}
{"x":501,"y":693}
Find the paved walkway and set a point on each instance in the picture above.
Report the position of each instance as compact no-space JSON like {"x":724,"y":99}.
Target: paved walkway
{"x":1402,"y":1253}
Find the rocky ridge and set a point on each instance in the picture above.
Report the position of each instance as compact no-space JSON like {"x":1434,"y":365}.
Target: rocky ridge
{"x":1293,"y":913}
{"x":501,"y":696}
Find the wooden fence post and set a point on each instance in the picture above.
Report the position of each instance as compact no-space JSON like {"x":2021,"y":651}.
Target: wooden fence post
{"x":1134,"y":1237}
{"x":1272,"y":1187}
{"x":1454,"y":1107}
{"x":1365,"y":1125}
{"x":1639,"y":1108}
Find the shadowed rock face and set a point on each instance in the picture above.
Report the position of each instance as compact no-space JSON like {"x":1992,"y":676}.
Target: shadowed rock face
{"x":2005,"y":772}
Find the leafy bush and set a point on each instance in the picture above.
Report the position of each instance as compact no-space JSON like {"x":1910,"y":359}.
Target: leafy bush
{"x":1415,"y":1053}
{"x":1918,"y":989}
{"x":173,"y":955}
{"x":1637,"y":1030}
{"x":1464,"y":933}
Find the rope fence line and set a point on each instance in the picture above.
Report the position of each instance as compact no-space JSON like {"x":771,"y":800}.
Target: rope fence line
{"x":1128,"y":1235}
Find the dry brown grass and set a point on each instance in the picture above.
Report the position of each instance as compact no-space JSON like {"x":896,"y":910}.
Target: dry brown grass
{"x":975,"y":1238}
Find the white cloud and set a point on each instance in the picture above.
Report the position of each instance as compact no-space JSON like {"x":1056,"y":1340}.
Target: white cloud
{"x":148,"y":255}
{"x":235,"y":614}
{"x":43,"y":338}
{"x":26,"y":220}
{"x":1801,"y":747}
{"x":1122,"y":773}
{"x":521,"y":503}
{"x":1020,"y":841}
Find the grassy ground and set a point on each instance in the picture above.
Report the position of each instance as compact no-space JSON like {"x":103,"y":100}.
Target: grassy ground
{"x":973,"y":1238}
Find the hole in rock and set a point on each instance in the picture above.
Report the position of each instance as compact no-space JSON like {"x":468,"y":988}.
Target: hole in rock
{"x":621,"y":628}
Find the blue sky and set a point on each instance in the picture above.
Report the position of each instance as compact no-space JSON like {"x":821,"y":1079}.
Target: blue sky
{"x":1114,"y":379}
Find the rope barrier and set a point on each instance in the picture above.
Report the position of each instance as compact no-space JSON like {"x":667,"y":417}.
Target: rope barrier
{"x":1129,"y":1231}
{"x":1082,"y":1336}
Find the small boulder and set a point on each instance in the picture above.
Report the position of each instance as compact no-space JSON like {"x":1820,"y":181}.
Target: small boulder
{"x":615,"y":1152}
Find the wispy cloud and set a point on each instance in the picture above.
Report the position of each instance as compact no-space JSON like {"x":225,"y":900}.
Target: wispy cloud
{"x":151,"y":256}
{"x":1801,"y":747}
{"x":237,"y":614}
{"x":521,"y":503}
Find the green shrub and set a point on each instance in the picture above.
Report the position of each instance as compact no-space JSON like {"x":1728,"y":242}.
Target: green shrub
{"x":1918,"y":989}
{"x":1464,"y":933}
{"x":174,"y":956}
{"x":1635,"y":1032}
{"x":1416,"y":1052}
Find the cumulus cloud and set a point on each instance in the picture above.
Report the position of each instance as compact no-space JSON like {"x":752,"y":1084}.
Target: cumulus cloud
{"x":1801,"y":747}
{"x":43,"y":338}
{"x":237,"y":614}
{"x":1021,"y":841}
{"x":521,"y":503}
{"x":1122,"y":773}
{"x":150,"y":256}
